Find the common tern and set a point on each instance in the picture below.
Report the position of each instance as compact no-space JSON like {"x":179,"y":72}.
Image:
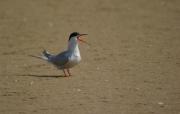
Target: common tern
{"x":66,"y":59}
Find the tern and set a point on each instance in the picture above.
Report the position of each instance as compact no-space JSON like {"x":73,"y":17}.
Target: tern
{"x":66,"y":59}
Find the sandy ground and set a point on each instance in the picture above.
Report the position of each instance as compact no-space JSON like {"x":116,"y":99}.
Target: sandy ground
{"x":131,"y":67}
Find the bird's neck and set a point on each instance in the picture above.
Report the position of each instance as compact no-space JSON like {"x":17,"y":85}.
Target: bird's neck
{"x":73,"y":47}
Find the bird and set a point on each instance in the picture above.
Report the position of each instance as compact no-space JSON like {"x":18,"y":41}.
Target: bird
{"x":68,"y":58}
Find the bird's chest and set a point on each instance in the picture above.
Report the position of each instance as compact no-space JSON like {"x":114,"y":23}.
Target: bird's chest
{"x":73,"y":60}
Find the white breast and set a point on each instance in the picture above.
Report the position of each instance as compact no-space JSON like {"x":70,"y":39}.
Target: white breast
{"x":74,"y":53}
{"x":73,"y":60}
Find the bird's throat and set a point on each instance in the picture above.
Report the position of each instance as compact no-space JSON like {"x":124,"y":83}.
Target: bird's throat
{"x":73,"y":48}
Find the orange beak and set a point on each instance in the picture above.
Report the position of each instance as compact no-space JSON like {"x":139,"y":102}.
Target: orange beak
{"x":81,"y":40}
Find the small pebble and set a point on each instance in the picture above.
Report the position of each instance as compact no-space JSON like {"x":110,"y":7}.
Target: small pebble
{"x":78,"y":90}
{"x":31,"y":83}
{"x":137,"y":88}
{"x":161,"y":104}
{"x":50,"y":24}
{"x":16,"y":80}
{"x":97,"y":68}
{"x":24,"y":19}
{"x":106,"y":80}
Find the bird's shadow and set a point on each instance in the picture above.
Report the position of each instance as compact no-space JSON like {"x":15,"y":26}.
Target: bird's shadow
{"x":43,"y":76}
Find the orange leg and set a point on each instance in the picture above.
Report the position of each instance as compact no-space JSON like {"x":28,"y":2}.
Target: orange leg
{"x":68,"y":70}
{"x":64,"y":71}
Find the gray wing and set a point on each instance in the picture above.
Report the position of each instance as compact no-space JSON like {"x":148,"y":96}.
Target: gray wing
{"x":60,"y":60}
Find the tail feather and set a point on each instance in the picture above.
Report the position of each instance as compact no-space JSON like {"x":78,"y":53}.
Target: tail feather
{"x":45,"y":56}
{"x":39,"y":57}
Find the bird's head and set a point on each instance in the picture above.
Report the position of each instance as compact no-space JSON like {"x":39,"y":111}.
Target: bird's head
{"x":77,"y":37}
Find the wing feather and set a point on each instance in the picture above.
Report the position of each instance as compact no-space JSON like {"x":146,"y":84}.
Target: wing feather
{"x":60,"y":60}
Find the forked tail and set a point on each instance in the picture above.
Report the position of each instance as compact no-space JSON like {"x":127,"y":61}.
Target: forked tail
{"x":45,"y":56}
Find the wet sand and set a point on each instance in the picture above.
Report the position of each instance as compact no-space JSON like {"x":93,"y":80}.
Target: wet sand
{"x":131,"y":67}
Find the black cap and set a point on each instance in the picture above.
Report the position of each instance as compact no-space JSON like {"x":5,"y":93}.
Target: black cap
{"x":73,"y":35}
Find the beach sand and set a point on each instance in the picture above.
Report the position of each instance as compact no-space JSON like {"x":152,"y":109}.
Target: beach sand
{"x":131,"y":67}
